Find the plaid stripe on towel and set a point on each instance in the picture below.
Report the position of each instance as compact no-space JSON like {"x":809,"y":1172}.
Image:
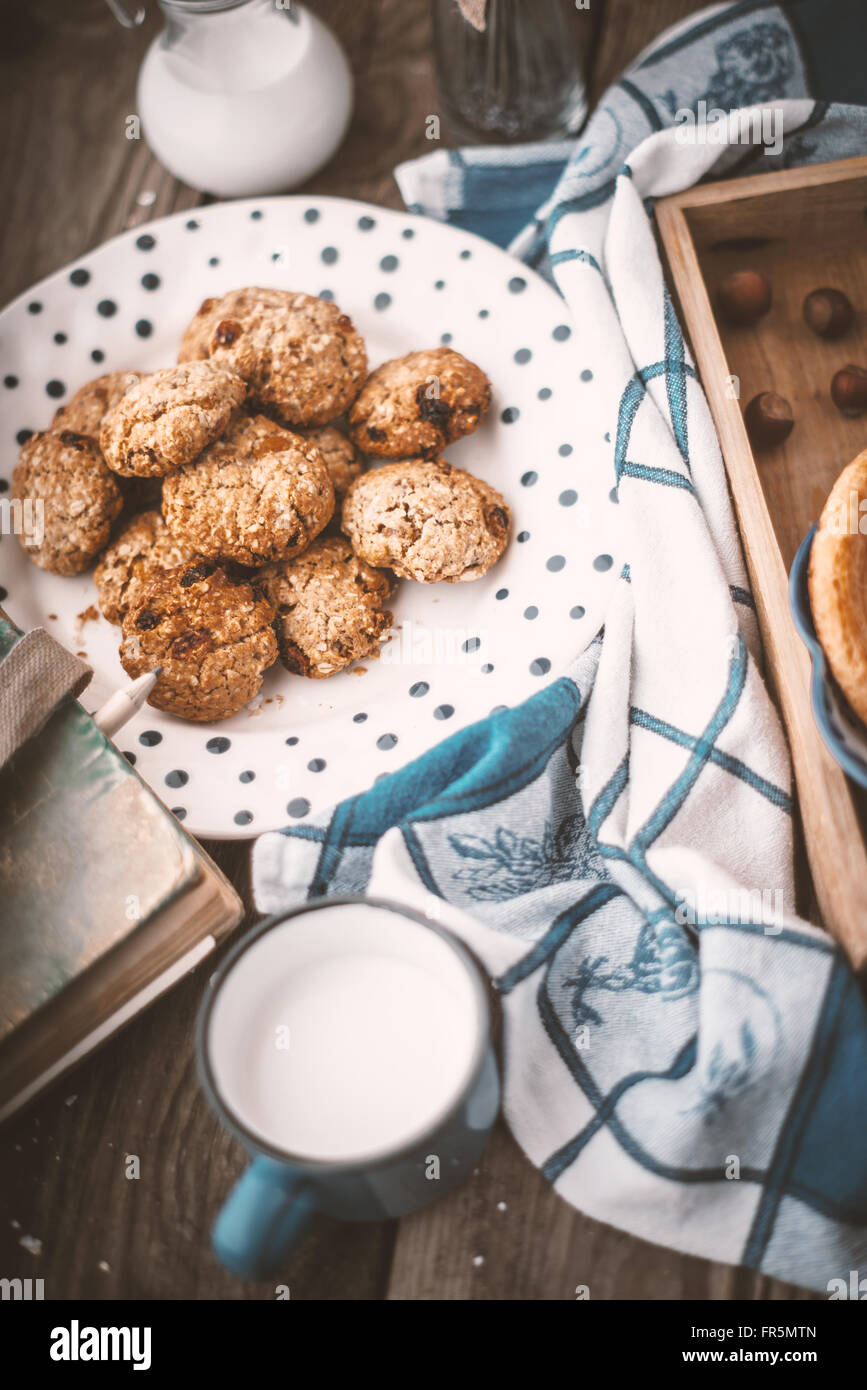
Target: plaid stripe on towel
{"x":685,"y":1059}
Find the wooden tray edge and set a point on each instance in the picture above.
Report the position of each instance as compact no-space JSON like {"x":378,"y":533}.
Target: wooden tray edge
{"x":835,"y":845}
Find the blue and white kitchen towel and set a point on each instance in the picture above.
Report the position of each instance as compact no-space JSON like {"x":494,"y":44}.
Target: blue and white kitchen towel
{"x":684,"y":1058}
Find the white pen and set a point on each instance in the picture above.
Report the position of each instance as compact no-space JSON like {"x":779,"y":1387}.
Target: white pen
{"x":125,"y":703}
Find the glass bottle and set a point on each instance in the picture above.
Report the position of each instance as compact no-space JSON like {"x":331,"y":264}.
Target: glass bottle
{"x":521,"y":78}
{"x":242,"y":97}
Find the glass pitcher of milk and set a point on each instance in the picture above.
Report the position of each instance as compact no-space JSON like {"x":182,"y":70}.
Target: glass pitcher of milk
{"x":243,"y":97}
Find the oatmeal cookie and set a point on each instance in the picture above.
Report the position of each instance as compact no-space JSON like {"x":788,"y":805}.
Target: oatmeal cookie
{"x":339,"y":455}
{"x":210,"y":633}
{"x":418,"y":404}
{"x":426,"y":521}
{"x":142,"y":548}
{"x":69,"y":500}
{"x":169,"y":418}
{"x":838,"y":583}
{"x":261,"y":493}
{"x":302,"y":357}
{"x":85,"y":411}
{"x":329,"y":607}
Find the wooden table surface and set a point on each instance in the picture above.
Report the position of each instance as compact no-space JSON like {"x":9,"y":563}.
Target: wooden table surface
{"x":69,"y":179}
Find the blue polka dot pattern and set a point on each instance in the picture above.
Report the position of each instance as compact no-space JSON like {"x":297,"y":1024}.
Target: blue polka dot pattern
{"x":221,"y":744}
{"x":540,"y":667}
{"x":386,"y":741}
{"x":602,"y":563}
{"x":298,"y":807}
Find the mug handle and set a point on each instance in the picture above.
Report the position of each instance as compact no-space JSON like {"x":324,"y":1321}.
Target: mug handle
{"x":261,"y":1219}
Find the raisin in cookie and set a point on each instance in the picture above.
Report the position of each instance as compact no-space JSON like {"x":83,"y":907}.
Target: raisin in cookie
{"x":69,"y":500}
{"x":426,"y":521}
{"x":302,"y":357}
{"x":339,"y":455}
{"x":169,"y":418}
{"x":261,"y":493}
{"x":85,"y":411}
{"x":329,"y":607}
{"x":418,"y":404}
{"x":210,"y":633}
{"x":142,"y":548}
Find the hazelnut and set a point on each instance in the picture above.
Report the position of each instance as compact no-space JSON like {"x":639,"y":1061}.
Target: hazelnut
{"x":744,"y":296}
{"x":769,"y":420}
{"x":828,"y":312}
{"x":849,"y":390}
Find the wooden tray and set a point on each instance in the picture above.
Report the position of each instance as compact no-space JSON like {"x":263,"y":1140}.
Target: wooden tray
{"x":805,"y":228}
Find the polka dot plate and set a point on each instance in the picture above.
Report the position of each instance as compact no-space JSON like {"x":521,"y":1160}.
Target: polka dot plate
{"x":459,"y":650}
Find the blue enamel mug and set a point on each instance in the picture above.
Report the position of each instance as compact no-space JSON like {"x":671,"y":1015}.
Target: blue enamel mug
{"x":347,"y":1045}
